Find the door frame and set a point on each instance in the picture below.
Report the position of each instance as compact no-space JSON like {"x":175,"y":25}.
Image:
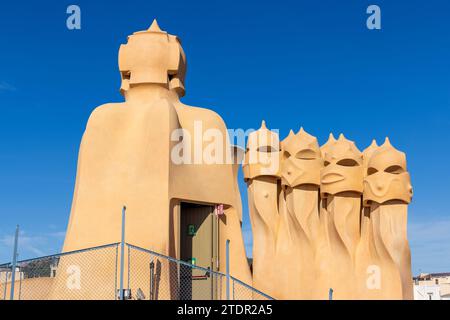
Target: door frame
{"x":215,"y":236}
{"x":215,"y":262}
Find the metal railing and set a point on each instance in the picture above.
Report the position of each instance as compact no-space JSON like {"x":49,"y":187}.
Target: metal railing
{"x":154,"y":276}
{"x":94,"y":274}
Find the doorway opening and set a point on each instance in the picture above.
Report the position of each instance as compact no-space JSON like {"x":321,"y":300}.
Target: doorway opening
{"x":199,"y":247}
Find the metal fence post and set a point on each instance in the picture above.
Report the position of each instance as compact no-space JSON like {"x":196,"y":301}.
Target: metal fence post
{"x":14,"y":264}
{"x":152,"y":271}
{"x":122,"y":254}
{"x":228,"y":268}
{"x":330,"y":294}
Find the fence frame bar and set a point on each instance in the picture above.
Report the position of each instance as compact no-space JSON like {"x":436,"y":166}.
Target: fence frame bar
{"x":152,"y":271}
{"x":122,"y":254}
{"x":252,"y":288}
{"x":14,"y":263}
{"x":62,"y":254}
{"x":228,"y":267}
{"x":115,"y":272}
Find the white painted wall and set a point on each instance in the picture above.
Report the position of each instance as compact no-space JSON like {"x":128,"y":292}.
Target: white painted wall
{"x":427,"y":292}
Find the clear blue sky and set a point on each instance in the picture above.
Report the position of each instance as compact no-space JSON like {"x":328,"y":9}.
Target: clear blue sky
{"x":294,"y":63}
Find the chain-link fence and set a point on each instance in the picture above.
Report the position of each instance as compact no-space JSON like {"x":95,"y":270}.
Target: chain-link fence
{"x":5,"y":277}
{"x":153,"y":276}
{"x":242,"y":291}
{"x":94,"y":274}
{"x":78,"y":275}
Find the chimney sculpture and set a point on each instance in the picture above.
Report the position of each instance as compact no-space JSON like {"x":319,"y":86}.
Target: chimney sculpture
{"x":342,"y":184}
{"x":323,"y":218}
{"x":301,"y":163}
{"x":261,"y":172}
{"x":387,"y":192}
{"x":143,"y":153}
{"x":340,"y":221}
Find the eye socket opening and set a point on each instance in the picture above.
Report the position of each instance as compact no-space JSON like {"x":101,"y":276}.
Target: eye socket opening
{"x":347,"y":163}
{"x":286,"y":154}
{"x":326,"y":163}
{"x":394,"y":169}
{"x":371,"y":171}
{"x":307,"y":154}
{"x":126,"y":75}
{"x":267,"y":149}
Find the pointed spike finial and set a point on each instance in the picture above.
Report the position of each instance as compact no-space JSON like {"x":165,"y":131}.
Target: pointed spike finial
{"x":331,"y":137}
{"x":341,"y":136}
{"x":155,"y":27}
{"x":387,"y":142}
{"x":291,"y":132}
{"x":263,"y":125}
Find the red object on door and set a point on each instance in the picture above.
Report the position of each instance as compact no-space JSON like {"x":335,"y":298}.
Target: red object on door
{"x":219,"y":210}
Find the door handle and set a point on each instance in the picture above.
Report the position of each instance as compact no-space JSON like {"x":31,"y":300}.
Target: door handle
{"x":203,"y":277}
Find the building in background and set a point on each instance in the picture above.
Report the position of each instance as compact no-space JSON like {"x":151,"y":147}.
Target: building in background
{"x":432,"y":286}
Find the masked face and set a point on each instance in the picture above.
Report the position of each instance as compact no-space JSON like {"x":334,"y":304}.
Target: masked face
{"x":343,"y":170}
{"x":150,"y":56}
{"x":301,"y":160}
{"x":262,"y":157}
{"x":386,"y":178}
